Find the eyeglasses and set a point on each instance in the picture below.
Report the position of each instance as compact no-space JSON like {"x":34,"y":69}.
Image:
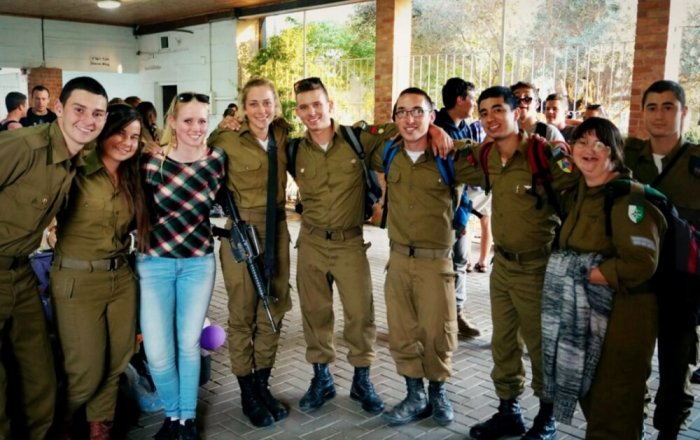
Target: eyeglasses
{"x":189,"y":96}
{"x":416,"y":112}
{"x":308,"y":84}
{"x":525,"y":99}
{"x":597,"y":146}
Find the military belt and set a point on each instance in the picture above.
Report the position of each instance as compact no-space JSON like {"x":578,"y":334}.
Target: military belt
{"x":524,"y":257}
{"x":423,"y":253}
{"x":107,"y":264}
{"x":11,"y":263}
{"x":334,"y":235}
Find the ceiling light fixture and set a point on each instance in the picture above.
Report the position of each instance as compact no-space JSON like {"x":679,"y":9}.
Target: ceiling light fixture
{"x":108,"y":4}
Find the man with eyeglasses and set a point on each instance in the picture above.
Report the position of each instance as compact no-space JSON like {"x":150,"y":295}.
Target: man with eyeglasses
{"x":419,"y":285}
{"x":37,"y":166}
{"x":459,"y":100}
{"x":528,"y":103}
{"x":524,"y":226}
{"x":671,"y":164}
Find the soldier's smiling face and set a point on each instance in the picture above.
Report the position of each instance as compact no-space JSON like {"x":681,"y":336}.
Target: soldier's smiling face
{"x":663,"y":115}
{"x":314,"y":109}
{"x":497,"y":118}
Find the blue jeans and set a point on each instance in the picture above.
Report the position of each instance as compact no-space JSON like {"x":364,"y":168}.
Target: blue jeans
{"x":175,"y":295}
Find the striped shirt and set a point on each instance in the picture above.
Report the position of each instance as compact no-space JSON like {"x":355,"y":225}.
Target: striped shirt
{"x":181,"y":196}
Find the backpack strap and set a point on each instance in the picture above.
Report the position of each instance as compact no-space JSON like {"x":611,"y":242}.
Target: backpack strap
{"x":484,"y":151}
{"x":539,"y":155}
{"x":541,"y":129}
{"x":352,"y":138}
{"x":292,"y":149}
{"x":390,"y":150}
{"x":668,"y":167}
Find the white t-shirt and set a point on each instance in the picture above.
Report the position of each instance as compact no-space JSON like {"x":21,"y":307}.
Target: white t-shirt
{"x":657,"y":161}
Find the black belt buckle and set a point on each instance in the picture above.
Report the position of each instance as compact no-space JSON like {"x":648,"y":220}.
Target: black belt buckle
{"x":329,"y":235}
{"x":411,"y":251}
{"x":114,"y":263}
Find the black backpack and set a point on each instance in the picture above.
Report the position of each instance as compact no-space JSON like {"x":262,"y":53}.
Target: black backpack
{"x":373,"y":190}
{"x":4,"y":125}
{"x":680,"y":251}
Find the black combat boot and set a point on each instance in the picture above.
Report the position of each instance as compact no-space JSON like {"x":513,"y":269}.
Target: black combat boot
{"x":442,"y":408}
{"x":507,"y":421}
{"x":278,"y":410}
{"x":668,"y":434}
{"x":253,"y":406}
{"x":320,"y":390}
{"x":414,"y":407}
{"x":362,"y":391}
{"x":544,"y":426}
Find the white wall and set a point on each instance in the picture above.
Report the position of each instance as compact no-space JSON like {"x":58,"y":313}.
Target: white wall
{"x":200,"y":58}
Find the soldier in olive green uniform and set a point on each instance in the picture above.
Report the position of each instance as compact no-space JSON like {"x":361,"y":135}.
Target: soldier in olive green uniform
{"x":37,"y":166}
{"x":419,"y":286}
{"x":663,"y":110}
{"x":523,"y":236}
{"x":331,"y":247}
{"x":614,"y":405}
{"x":252,"y":342}
{"x":92,"y":285}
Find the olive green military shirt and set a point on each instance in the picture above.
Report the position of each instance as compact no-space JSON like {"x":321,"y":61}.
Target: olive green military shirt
{"x":246,"y":175}
{"x":36,"y":171}
{"x":518,"y":226}
{"x":419,"y":202}
{"x":331,"y":183}
{"x":631,"y":253}
{"x":682,"y":182}
{"x":96,"y":221}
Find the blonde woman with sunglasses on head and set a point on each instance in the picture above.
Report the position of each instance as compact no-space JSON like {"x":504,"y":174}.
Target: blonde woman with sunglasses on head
{"x":177,"y":267}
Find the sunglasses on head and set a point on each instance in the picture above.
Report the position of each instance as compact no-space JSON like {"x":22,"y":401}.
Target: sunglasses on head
{"x":308,"y":84}
{"x":189,"y":96}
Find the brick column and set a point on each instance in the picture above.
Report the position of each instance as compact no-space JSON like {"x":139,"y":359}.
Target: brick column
{"x":48,"y":77}
{"x":656,"y":52}
{"x":392,"y":56}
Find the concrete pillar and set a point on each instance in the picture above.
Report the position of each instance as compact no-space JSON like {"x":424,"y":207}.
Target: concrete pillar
{"x":656,"y":52}
{"x":393,"y":55}
{"x":48,"y":77}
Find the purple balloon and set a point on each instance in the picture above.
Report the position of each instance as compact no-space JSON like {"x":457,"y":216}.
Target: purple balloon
{"x":213,"y":337}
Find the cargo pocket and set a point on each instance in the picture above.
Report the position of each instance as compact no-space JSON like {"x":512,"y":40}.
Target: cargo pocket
{"x":447,"y":342}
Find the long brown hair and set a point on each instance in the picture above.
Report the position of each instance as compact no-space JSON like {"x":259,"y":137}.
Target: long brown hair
{"x":130,"y":183}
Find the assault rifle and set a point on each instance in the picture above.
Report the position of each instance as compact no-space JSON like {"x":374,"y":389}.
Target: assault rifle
{"x":245,"y":247}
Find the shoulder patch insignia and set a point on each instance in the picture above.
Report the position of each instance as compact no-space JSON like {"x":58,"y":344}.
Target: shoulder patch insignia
{"x":565,"y":164}
{"x":694,"y":166}
{"x":635,"y":213}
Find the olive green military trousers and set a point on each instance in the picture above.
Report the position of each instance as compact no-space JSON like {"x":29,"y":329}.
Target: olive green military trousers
{"x":23,"y":327}
{"x":252,"y":344}
{"x":321,"y":263}
{"x":614,"y":406}
{"x":516,"y":307}
{"x":422,"y":315}
{"x":96,"y":320}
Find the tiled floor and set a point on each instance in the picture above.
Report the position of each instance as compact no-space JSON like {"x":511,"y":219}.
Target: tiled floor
{"x":471,"y":390}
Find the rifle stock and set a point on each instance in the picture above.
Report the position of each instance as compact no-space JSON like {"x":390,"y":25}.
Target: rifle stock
{"x":245,"y":247}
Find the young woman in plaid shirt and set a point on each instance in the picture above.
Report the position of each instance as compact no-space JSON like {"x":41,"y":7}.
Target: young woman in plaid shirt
{"x":177,"y":267}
